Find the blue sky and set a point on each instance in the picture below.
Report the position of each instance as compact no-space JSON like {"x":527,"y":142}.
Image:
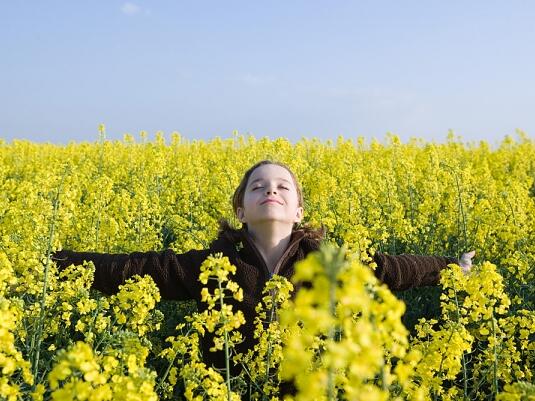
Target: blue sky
{"x":275,"y":68}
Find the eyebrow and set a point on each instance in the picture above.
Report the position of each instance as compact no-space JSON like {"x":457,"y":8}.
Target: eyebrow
{"x":260,"y":179}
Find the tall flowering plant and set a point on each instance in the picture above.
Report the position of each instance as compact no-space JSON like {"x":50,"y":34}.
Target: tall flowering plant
{"x":184,"y":355}
{"x":345,"y":337}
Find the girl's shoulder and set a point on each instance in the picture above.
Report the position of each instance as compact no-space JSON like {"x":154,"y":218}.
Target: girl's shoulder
{"x":312,"y":234}
{"x":228,"y":233}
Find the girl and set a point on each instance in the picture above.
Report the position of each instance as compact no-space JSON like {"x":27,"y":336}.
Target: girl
{"x":269,"y":204}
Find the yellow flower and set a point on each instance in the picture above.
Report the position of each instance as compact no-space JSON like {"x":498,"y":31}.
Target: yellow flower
{"x":415,"y":197}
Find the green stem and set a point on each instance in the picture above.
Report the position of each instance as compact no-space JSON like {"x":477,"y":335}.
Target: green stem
{"x":390,"y":223}
{"x":104,"y":335}
{"x":461,"y":209}
{"x":94,"y":316}
{"x":477,"y":386}
{"x":139,"y":222}
{"x":37,"y":338}
{"x":332,"y":306}
{"x":270,"y":346}
{"x":227,"y":356}
{"x":162,"y":379}
{"x":495,"y":361}
{"x":465,"y":375}
{"x":97,"y":230}
{"x":102,"y":137}
{"x":251,"y":380}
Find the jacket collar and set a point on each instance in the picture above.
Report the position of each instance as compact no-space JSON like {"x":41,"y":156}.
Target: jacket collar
{"x":245,"y":245}
{"x":251,"y":248}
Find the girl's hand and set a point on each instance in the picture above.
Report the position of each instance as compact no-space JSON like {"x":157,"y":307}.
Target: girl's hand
{"x":466,"y":261}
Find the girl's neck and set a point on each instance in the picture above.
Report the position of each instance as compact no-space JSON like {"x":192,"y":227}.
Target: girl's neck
{"x":271,"y":240}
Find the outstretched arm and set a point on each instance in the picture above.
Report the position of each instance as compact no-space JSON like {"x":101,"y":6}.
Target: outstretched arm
{"x":402,"y":272}
{"x":174,"y":274}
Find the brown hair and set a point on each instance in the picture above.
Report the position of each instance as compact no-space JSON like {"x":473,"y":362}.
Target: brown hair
{"x":237,"y":198}
{"x":237,"y":201}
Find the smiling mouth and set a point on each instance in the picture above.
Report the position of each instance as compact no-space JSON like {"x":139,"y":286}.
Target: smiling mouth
{"x":271,"y":201}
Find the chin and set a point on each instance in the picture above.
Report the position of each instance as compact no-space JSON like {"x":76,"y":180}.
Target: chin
{"x":274,"y":222}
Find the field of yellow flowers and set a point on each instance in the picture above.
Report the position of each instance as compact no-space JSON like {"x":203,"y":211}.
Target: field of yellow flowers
{"x":345,"y":337}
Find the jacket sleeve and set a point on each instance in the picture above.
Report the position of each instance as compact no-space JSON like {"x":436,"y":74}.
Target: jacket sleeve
{"x":402,"y":272}
{"x":175,"y":274}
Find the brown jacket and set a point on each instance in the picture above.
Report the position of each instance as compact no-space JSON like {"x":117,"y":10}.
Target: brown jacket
{"x":176,"y":274}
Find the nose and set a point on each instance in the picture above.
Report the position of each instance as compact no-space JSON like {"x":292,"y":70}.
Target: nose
{"x":270,"y":191}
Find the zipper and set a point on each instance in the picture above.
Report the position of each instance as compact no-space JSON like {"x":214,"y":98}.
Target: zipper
{"x":286,"y":252}
{"x":281,"y":259}
{"x":258,"y":255}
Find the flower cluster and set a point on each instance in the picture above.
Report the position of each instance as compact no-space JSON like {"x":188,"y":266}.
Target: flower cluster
{"x":14,"y":368}
{"x":261,"y":363}
{"x":345,"y":332}
{"x":479,"y":346}
{"x":125,"y":196}
{"x":519,"y":391}
{"x":219,"y":319}
{"x":79,"y":374}
{"x":133,"y":306}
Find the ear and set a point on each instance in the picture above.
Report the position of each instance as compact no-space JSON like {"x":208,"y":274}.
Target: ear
{"x":299,"y":215}
{"x":240,"y":214}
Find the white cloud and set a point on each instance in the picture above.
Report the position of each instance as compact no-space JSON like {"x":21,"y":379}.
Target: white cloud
{"x":130,"y":8}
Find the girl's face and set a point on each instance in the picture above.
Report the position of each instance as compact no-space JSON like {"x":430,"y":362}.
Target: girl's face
{"x":270,"y":196}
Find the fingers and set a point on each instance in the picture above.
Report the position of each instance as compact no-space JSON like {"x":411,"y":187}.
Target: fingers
{"x":465,"y":267}
{"x":466,"y":261}
{"x":471,"y":254}
{"x":467,"y":257}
